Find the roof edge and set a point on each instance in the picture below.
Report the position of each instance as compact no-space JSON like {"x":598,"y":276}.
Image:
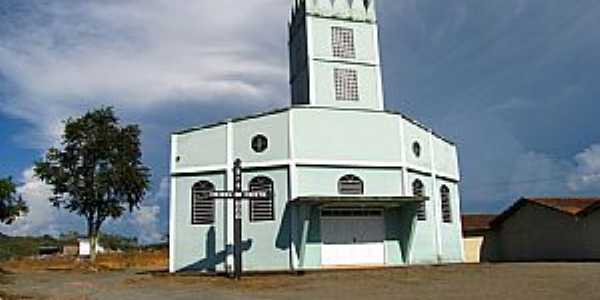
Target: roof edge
{"x":288,"y":108}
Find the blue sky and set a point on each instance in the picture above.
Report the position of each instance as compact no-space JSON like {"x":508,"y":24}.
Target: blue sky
{"x":512,"y":82}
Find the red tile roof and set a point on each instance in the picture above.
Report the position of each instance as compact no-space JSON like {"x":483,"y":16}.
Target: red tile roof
{"x":477,"y":222}
{"x":572,"y":206}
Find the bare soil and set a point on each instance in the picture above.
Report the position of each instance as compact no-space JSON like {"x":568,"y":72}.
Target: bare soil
{"x":487,"y":281}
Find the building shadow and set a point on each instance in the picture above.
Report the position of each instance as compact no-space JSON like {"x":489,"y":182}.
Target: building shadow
{"x":284,"y":234}
{"x":214,"y":258}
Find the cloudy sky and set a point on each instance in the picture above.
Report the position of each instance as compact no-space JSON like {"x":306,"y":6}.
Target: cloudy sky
{"x":515,"y":83}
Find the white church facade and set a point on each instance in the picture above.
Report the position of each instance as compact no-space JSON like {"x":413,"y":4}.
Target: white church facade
{"x":351,"y":183}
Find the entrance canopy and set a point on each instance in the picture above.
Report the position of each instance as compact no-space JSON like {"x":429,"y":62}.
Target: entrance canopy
{"x":379,"y":201}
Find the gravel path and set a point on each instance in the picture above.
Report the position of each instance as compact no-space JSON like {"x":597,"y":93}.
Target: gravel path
{"x":488,"y":282}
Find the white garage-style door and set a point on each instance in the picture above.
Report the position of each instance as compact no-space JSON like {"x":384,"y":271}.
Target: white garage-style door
{"x":352,"y":237}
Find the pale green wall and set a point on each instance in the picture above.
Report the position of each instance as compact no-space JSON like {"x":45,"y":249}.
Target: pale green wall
{"x":364,"y":39}
{"x":201,"y":148}
{"x":197,"y":246}
{"x":345,"y":135}
{"x":274,"y":127}
{"x":322,"y":181}
{"x":266,"y":244}
{"x":323,"y":83}
{"x":451,"y":233}
{"x":414,"y":133}
{"x":270,"y":239}
{"x":322,"y":63}
{"x":422,"y":246}
{"x":320,"y":135}
{"x":446,"y":160}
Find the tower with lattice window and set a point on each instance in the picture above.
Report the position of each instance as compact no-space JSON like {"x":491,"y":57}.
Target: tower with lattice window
{"x":334,"y":54}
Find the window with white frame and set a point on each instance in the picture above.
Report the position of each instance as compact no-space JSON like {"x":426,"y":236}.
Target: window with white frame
{"x":419,"y":191}
{"x":350,"y":185}
{"x":203,"y":206}
{"x":342,"y":42}
{"x":262,"y":209}
{"x":346,"y":84}
{"x":446,"y":205}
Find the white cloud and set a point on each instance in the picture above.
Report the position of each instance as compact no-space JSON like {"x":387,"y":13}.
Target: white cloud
{"x":138,"y":55}
{"x":149,"y":59}
{"x":586,"y":176}
{"x":42,"y":218}
{"x":146,"y":220}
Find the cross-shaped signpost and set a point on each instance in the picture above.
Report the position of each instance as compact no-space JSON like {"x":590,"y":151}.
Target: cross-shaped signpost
{"x":237,"y":195}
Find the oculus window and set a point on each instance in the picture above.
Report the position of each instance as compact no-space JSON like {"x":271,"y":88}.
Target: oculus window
{"x":203,"y":206}
{"x":259,"y":143}
{"x":346,"y":84}
{"x":416,"y":147}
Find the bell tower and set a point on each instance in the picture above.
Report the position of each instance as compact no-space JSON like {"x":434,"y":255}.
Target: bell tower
{"x":334,"y":54}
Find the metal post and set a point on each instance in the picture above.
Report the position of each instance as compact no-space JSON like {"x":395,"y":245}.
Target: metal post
{"x":237,"y":226}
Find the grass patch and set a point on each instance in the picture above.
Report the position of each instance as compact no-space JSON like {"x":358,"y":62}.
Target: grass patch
{"x":136,"y":259}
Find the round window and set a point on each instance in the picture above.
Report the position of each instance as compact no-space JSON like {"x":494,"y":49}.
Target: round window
{"x":260,"y":143}
{"x":416,"y":149}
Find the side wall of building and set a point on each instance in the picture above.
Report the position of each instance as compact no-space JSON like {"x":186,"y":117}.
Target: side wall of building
{"x":375,"y":146}
{"x":591,"y":231}
{"x":537,"y":233}
{"x":197,"y":247}
{"x":345,"y":135}
{"x":450,"y":232}
{"x":266,"y":244}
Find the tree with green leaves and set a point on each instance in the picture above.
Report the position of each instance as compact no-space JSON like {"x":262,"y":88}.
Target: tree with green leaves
{"x":11,"y":205}
{"x":98,"y":172}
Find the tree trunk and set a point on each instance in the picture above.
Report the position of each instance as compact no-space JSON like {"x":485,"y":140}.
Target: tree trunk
{"x":93,"y":239}
{"x":93,"y":245}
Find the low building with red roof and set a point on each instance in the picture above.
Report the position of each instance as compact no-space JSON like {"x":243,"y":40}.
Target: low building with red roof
{"x":537,"y":229}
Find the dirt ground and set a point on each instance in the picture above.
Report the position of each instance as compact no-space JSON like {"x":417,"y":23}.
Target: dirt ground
{"x":489,"y":282}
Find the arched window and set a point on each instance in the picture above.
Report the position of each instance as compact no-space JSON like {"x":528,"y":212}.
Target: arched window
{"x":203,"y":207}
{"x":350,"y":185}
{"x":419,"y":191}
{"x":263,"y":209}
{"x":446,"y":206}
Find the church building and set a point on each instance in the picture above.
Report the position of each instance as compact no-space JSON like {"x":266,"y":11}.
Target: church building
{"x":350,"y":183}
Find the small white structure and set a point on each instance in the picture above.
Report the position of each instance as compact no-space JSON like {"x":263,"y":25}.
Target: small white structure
{"x":85,"y":248}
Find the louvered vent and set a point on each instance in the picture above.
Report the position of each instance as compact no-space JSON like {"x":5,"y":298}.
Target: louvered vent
{"x":350,"y":185}
{"x":346,"y":85}
{"x":342,"y":42}
{"x":203,"y":206}
{"x":262,"y":209}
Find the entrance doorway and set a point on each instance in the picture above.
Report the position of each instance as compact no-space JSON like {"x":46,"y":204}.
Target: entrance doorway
{"x":352,"y":236}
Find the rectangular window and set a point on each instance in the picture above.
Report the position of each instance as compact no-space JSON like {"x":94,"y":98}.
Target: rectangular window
{"x":346,"y":85}
{"x":342,"y":41}
{"x":203,"y":208}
